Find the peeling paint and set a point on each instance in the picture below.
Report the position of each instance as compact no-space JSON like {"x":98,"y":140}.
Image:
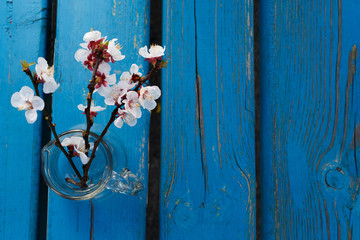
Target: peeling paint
{"x":114,"y":8}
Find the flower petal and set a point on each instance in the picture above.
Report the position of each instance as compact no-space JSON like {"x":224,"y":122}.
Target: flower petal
{"x":156,"y":51}
{"x":144,"y":52}
{"x":149,"y":105}
{"x":81,"y":55}
{"x":26,"y":92}
{"x":42,"y":66}
{"x":109,"y":101}
{"x":81,"y":107}
{"x":37,"y":103}
{"x":117,"y":56}
{"x":114,"y":51}
{"x":120,"y":100}
{"x":17,"y":100}
{"x":92,"y":36}
{"x":155,"y":91}
{"x":134,"y":69}
{"x":125,"y":85}
{"x":84,"y":45}
{"x":31,"y":116}
{"x":135,"y":111}
{"x":118,"y":122}
{"x":103,"y":91}
{"x":79,"y":142}
{"x":104,"y":68}
{"x":42,"y":62}
{"x":131,"y":95}
{"x":130,"y":120}
{"x":125,"y":76}
{"x":50,"y":86}
{"x":111,"y":79}
{"x":97,"y":108}
{"x":84,"y":159}
{"x":66,"y":142}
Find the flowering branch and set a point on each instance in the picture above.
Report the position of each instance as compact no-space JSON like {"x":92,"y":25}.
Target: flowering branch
{"x":128,"y":95}
{"x":147,"y":77}
{"x":52,"y":125}
{"x":96,"y":144}
{"x":89,"y":118}
{"x":111,"y":120}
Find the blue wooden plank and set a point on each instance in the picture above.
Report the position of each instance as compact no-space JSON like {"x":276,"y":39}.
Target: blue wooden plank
{"x":309,"y":113}
{"x":208,"y":160}
{"x":22,"y":36}
{"x":124,"y":216}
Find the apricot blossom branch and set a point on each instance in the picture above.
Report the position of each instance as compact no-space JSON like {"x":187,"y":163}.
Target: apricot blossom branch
{"x":51,"y":124}
{"x":127,"y":95}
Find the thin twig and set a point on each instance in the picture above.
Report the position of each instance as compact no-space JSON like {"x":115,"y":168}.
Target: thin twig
{"x":72,"y":181}
{"x":97,"y":142}
{"x":111,"y":120}
{"x":147,"y":77}
{"x":89,"y":120}
{"x":52,"y":127}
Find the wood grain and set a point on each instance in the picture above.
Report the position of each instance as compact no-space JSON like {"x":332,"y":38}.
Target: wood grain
{"x":22,"y":36}
{"x":208,"y":160}
{"x":309,"y":113}
{"x":123,"y":216}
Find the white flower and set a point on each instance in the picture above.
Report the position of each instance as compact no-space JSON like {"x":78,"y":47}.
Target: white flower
{"x":114,"y":93}
{"x":82,"y":54}
{"x":95,"y":43}
{"x":125,"y":116}
{"x":78,"y":144}
{"x":46,"y":76}
{"x":154,"y":51}
{"x":104,"y":79}
{"x":114,"y":50}
{"x":25,"y":100}
{"x":148,"y":95}
{"x":134,"y":69}
{"x":93,"y":109}
{"x":132,"y":104}
{"x":127,"y":76}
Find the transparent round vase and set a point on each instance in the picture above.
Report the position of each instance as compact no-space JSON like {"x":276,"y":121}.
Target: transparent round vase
{"x":108,"y":174}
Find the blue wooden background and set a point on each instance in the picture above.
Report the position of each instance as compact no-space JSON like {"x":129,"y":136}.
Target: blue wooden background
{"x":309,"y":106}
{"x":309,"y":131}
{"x":22,"y":36}
{"x":208,"y":119}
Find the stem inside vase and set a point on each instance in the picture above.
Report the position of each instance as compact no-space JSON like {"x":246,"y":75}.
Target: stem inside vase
{"x":56,"y":169}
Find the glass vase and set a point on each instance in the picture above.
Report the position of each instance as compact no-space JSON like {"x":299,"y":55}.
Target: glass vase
{"x":107,"y":174}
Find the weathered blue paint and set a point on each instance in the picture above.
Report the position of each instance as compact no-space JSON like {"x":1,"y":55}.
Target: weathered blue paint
{"x":309,"y":113}
{"x":208,"y":160}
{"x":122,"y":217}
{"x":22,"y":34}
{"x":309,"y":119}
